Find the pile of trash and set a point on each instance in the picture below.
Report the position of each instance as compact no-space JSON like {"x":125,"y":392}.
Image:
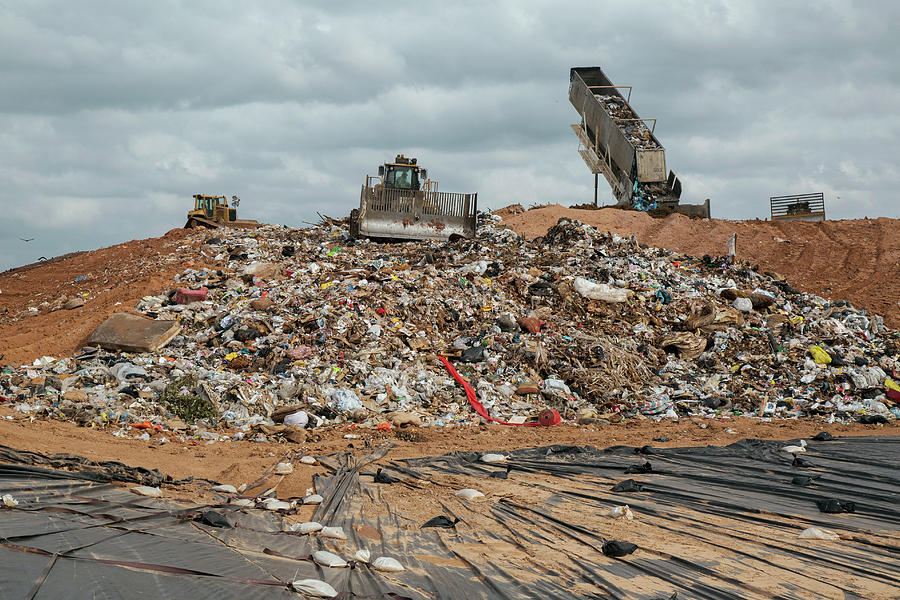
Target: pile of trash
{"x":634,"y":129}
{"x":294,"y":329}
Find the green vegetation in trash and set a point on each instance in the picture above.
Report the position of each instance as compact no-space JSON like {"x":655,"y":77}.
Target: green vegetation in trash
{"x":179,"y":397}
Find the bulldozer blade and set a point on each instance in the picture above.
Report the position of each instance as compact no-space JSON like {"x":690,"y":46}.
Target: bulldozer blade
{"x":403,"y":214}
{"x":243,"y":224}
{"x":197,"y":222}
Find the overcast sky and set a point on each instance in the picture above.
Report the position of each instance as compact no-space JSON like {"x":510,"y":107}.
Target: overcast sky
{"x":113,"y":114}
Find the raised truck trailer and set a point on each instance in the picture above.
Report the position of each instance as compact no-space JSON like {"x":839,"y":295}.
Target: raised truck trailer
{"x":618,"y":144}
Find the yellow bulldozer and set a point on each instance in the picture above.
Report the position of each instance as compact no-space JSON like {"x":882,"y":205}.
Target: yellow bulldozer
{"x":214,"y":211}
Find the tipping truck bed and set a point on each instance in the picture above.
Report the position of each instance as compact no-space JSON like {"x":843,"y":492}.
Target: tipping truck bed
{"x":618,"y":143}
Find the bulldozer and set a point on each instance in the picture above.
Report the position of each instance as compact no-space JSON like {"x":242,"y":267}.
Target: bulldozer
{"x":402,"y":203}
{"x":214,"y":211}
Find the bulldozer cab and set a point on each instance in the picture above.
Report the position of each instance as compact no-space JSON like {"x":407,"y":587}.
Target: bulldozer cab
{"x":401,"y":177}
{"x":209,"y":204}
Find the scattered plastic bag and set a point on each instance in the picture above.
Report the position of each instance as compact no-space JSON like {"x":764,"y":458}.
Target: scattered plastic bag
{"x":620,"y":512}
{"x":814,"y":533}
{"x":469,"y":494}
{"x":599,"y":291}
{"x":284,"y":468}
{"x":493,"y":458}
{"x":146,"y":490}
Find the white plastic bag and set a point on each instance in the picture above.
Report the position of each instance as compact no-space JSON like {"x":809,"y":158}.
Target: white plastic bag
{"x":469,"y":494}
{"x":313,"y":499}
{"x":493,"y":458}
{"x":306,"y":460}
{"x":9,"y":501}
{"x":599,"y":291}
{"x":743,"y":304}
{"x":284,"y":468}
{"x":297,"y":419}
{"x":814,"y":533}
{"x":621,"y":512}
{"x":146,"y":490}
{"x":225,"y":488}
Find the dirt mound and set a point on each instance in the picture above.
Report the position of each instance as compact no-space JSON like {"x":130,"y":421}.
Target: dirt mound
{"x":108,"y":280}
{"x":855,"y":260}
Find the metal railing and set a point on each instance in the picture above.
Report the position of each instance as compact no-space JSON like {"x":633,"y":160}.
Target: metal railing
{"x":449,"y":204}
{"x":807,"y":207}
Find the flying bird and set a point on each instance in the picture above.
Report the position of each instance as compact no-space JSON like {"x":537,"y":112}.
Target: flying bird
{"x":26,"y":240}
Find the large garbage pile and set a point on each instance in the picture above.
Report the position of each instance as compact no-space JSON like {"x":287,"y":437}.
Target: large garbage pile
{"x":293,"y":329}
{"x":635,"y":130}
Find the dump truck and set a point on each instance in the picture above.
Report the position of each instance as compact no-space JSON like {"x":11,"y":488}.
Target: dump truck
{"x":618,"y":144}
{"x":402,"y":203}
{"x":214,"y":211}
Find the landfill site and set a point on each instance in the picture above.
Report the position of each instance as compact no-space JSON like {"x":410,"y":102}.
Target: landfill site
{"x":427,"y":400}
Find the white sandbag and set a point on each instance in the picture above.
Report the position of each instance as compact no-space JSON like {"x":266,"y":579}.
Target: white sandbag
{"x":284,"y":468}
{"x":146,"y":490}
{"x":328,"y":559}
{"x":336,"y":533}
{"x":308,"y":460}
{"x":315,"y":588}
{"x":814,"y":533}
{"x":362,"y":555}
{"x":493,"y":458}
{"x":225,"y":489}
{"x":620,"y":512}
{"x":308,"y":527}
{"x":387,"y":564}
{"x":599,"y":291}
{"x":276,"y":504}
{"x":469,"y":494}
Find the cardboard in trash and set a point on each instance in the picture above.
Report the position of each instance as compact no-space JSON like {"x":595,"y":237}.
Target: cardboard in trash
{"x":132,"y":333}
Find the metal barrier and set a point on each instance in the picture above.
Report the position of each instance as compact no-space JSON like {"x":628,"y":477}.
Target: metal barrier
{"x":798,"y":207}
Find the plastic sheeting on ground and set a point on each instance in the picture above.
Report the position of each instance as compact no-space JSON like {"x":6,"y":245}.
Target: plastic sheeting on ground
{"x":710,"y":523}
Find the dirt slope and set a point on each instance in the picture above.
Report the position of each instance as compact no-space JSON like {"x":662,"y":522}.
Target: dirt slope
{"x":109,"y":280}
{"x":856,"y":260}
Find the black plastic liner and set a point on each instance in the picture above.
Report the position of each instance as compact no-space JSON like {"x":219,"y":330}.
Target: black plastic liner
{"x":709,"y":523}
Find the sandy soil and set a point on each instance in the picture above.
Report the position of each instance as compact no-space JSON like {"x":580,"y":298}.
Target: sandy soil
{"x":244,"y":462}
{"x":856,"y":260}
{"x":109,"y":280}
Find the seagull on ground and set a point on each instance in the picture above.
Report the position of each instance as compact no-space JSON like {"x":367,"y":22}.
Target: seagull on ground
{"x":795,"y":449}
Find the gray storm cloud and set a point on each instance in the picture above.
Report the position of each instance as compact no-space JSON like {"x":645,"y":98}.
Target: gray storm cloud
{"x":113,"y":114}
